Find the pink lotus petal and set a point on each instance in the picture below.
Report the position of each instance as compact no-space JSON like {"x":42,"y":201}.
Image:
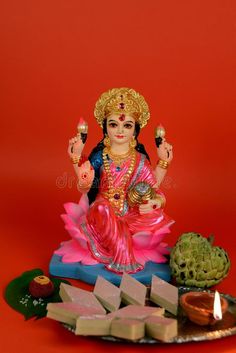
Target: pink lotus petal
{"x":140,"y":256}
{"x":156,"y":239}
{"x":72,"y":251}
{"x":68,"y":220}
{"x":83,"y":243}
{"x":73,"y":210}
{"x":71,"y":257}
{"x":79,"y":256}
{"x":163,"y":248}
{"x":88,"y":259}
{"x":84,"y":203}
{"x":75,"y":232}
{"x":155,"y":256}
{"x":159,"y":235}
{"x":67,"y":246}
{"x":141,"y":240}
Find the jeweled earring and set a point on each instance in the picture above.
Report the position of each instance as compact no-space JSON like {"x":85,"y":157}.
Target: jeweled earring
{"x":133,"y":142}
{"x":107,"y":141}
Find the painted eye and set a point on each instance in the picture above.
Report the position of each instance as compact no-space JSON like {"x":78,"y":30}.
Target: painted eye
{"x":112,"y":125}
{"x":128,"y":126}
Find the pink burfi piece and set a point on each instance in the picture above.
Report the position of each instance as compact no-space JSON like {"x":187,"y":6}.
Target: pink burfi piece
{"x":73,"y":294}
{"x":132,"y":291}
{"x":68,"y":312}
{"x":164,"y":294}
{"x":107,"y":293}
{"x":128,"y":329}
{"x":161,"y":328}
{"x":137,"y":312}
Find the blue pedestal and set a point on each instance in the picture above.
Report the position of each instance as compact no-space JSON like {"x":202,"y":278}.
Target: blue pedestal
{"x":89,"y":274}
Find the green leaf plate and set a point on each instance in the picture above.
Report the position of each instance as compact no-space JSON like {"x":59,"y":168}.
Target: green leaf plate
{"x":17,"y":295}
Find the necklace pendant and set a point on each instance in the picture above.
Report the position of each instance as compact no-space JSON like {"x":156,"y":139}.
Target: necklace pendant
{"x":117,"y":196}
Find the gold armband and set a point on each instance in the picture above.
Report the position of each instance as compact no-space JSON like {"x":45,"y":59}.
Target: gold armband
{"x":163,"y":164}
{"x":75,"y":159}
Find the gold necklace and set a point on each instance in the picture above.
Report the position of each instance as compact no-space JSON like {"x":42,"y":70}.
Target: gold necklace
{"x":118,"y":159}
{"x":116,"y":195}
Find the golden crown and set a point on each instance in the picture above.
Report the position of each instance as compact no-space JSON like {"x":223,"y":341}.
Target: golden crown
{"x":122,"y":101}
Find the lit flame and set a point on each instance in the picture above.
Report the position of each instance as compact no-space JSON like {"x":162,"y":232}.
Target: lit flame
{"x":82,"y":126}
{"x":160,"y":131}
{"x":217,"y":312}
{"x":81,"y":121}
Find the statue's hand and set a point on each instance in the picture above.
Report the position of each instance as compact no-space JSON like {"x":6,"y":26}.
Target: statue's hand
{"x":149,"y":206}
{"x":85,"y":176}
{"x":75,"y":146}
{"x":165,"y":151}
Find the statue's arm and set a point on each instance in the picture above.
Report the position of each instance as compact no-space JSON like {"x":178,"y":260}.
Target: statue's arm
{"x":165,"y":155}
{"x":83,"y":170}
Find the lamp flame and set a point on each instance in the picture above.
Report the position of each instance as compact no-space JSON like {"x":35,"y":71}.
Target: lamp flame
{"x":217,"y":312}
{"x":82,"y":126}
{"x":160,"y":131}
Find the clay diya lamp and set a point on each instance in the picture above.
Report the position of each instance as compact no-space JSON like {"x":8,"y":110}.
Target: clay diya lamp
{"x":203,"y":308}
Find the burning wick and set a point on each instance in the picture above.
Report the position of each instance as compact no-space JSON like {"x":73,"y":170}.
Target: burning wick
{"x":217,"y":312}
{"x":159,"y":134}
{"x":82,"y":129}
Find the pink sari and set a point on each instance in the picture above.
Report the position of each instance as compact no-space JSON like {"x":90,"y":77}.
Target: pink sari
{"x":123,"y":243}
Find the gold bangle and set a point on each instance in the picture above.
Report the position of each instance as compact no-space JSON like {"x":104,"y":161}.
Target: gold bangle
{"x":142,"y":191}
{"x":75,"y":159}
{"x":163,"y":164}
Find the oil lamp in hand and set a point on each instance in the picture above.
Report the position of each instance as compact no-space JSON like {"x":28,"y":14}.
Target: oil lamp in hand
{"x":82,"y":129}
{"x":159,"y":135}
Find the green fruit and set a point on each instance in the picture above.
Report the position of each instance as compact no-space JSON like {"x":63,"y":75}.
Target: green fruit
{"x":195,"y":262}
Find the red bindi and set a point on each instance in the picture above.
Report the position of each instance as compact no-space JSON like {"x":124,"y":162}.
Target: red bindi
{"x":122,"y":117}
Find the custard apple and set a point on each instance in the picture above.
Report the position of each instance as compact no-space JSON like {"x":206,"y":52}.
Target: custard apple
{"x":195,"y":262}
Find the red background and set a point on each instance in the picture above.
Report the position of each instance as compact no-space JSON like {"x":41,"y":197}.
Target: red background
{"x":57,"y":57}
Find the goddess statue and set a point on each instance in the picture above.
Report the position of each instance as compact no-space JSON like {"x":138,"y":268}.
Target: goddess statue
{"x":119,"y":220}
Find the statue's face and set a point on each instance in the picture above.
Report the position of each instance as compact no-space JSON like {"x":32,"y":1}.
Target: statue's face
{"x":120,"y":128}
